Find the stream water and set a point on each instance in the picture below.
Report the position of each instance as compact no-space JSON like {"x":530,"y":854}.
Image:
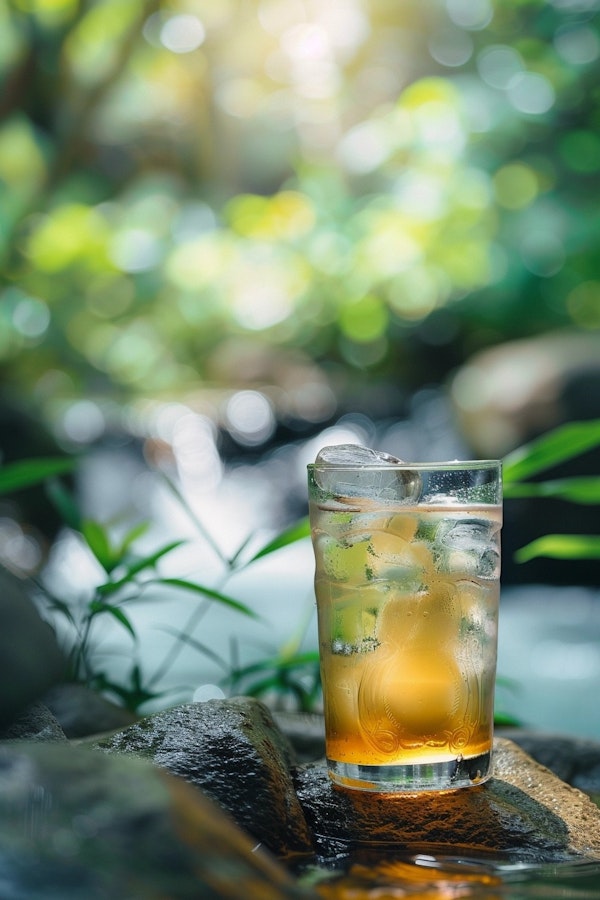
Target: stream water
{"x":371,"y":873}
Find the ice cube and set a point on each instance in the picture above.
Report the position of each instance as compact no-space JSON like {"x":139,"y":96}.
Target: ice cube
{"x":470,"y":546}
{"x":353,"y":455}
{"x":364,"y":474}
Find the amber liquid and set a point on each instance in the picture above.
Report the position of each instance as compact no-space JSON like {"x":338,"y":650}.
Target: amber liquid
{"x":407,"y":606}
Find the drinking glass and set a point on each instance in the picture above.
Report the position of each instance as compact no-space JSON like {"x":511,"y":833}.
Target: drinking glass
{"x":407,"y":586}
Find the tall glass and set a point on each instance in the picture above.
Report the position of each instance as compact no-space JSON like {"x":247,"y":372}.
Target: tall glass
{"x":407,"y":586}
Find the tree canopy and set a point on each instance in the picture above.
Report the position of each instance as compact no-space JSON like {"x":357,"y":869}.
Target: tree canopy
{"x":295,"y":195}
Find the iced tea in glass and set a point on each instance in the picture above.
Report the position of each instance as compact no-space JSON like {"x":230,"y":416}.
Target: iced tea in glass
{"x":407,"y":586}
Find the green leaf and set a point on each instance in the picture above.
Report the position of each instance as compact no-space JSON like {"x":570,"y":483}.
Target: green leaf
{"x":197,"y":645}
{"x":132,"y":536}
{"x":194,"y":518}
{"x":561,"y":546}
{"x":132,"y":698}
{"x":502,"y":719}
{"x":135,"y":568}
{"x":28,"y":472}
{"x":136,"y":677}
{"x":296,"y":532}
{"x":257,"y":688}
{"x":585,"y":490}
{"x":310,"y":658}
{"x":64,"y":501}
{"x":61,"y":607}
{"x":233,"y":560}
{"x":97,"y":607}
{"x":282,"y":682}
{"x":557,"y":446}
{"x":208,"y":592}
{"x":97,"y":540}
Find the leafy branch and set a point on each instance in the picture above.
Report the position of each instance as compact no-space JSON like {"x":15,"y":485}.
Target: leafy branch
{"x":558,"y":446}
{"x":127,"y":574}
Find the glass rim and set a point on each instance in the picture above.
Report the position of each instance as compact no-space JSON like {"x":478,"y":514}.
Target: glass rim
{"x":456,"y":465}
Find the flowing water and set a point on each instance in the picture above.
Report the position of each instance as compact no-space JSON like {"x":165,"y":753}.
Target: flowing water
{"x":375,"y":873}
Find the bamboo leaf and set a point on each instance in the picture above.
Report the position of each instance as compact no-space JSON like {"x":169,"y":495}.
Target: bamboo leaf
{"x":295,"y":533}
{"x":506,"y":720}
{"x":310,"y":658}
{"x":135,"y":568}
{"x":197,"y":645}
{"x":557,"y":446}
{"x":257,"y":688}
{"x":97,"y":540}
{"x":28,"y":472}
{"x":194,"y":518}
{"x":64,"y":502}
{"x":136,"y":677}
{"x":584,"y":490}
{"x":561,"y":546}
{"x":132,"y":698}
{"x":97,"y":607}
{"x":132,"y":536}
{"x":61,"y":607}
{"x":233,"y":560}
{"x":208,"y":592}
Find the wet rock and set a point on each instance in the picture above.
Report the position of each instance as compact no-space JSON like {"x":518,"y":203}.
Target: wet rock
{"x":83,"y":712}
{"x":35,"y":724}
{"x":524,"y":811}
{"x":76,"y":824}
{"x":574,"y":760}
{"x":30,"y":659}
{"x":233,"y":751}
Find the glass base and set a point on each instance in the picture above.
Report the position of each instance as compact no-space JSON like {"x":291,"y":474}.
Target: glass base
{"x":449,"y":775}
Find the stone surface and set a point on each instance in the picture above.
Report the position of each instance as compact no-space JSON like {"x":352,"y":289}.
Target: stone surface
{"x":36,"y":723}
{"x":80,"y":824}
{"x":76,"y":824}
{"x":30,"y":659}
{"x":524,"y":811}
{"x":83,"y":712}
{"x":235,"y":753}
{"x":574,"y":760}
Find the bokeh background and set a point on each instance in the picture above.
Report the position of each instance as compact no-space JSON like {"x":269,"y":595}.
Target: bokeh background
{"x":234,"y":231}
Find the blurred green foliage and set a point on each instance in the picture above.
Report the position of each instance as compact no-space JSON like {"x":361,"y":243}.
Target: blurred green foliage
{"x":380,"y":187}
{"x":521,"y":478}
{"x":125,"y":574}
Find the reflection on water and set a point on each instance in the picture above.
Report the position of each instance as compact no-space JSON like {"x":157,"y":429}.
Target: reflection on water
{"x":369,"y":873}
